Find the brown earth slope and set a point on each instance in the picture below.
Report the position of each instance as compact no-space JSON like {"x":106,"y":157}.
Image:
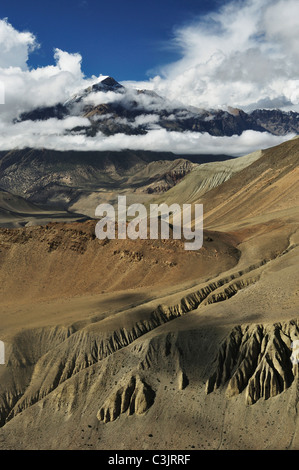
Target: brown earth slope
{"x":15,"y":211}
{"x":142,"y":345}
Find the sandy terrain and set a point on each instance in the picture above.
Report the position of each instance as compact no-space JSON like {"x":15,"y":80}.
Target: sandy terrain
{"x":143,"y":345}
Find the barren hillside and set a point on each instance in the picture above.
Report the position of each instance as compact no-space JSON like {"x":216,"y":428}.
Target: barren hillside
{"x":111,"y":345}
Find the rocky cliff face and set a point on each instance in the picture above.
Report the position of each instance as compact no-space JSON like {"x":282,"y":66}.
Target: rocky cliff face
{"x":55,"y":179}
{"x":256,"y":359}
{"x":276,"y":121}
{"x":135,"y":396}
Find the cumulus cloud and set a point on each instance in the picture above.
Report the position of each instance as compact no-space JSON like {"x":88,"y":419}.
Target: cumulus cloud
{"x":24,"y":88}
{"x":243,"y":54}
{"x":15,"y":46}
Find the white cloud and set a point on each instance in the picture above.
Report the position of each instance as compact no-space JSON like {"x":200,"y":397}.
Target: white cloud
{"x":68,"y":62}
{"x":52,"y":134}
{"x":245,"y":53}
{"x":101,"y":97}
{"x":146,"y":119}
{"x":24,"y":88}
{"x":15,"y":46}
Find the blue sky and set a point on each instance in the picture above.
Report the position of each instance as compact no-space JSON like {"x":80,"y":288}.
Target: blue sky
{"x":127,"y":39}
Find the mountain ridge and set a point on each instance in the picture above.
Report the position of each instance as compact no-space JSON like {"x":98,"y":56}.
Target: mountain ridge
{"x":112,"y":108}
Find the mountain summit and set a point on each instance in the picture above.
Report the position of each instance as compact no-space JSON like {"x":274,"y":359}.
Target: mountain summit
{"x":105,"y":84}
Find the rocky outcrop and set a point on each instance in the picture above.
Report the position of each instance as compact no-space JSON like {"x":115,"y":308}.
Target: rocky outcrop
{"x":23,"y":353}
{"x":182,"y":380}
{"x":56,"y":179}
{"x":168,"y":177}
{"x":256,"y":359}
{"x":135,"y":396}
{"x":276,"y":121}
{"x":72,"y":351}
{"x":52,"y":356}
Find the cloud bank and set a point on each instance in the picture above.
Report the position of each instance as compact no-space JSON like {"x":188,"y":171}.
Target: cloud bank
{"x":52,"y":134}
